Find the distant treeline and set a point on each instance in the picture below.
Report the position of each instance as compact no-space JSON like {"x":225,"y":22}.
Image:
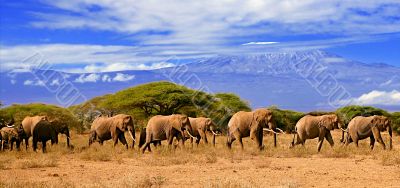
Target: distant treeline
{"x":147,"y":100}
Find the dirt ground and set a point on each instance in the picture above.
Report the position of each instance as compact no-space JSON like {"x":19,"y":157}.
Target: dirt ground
{"x":204,"y":166}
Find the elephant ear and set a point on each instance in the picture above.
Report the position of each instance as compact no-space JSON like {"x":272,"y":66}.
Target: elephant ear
{"x":327,"y":121}
{"x":128,"y":120}
{"x":176,"y":122}
{"x":260,"y":115}
{"x":208,"y":122}
{"x":120,"y":123}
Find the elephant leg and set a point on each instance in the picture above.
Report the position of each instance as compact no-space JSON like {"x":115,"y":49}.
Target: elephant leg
{"x":146,"y":145}
{"x":170,"y":140}
{"x":259,"y":140}
{"x":18,"y":143}
{"x":2,"y":145}
{"x":203,"y":136}
{"x":34,"y":144}
{"x":241,"y":142}
{"x":44,"y":146}
{"x":328,"y":137}
{"x":115,"y":140}
{"x":348,"y":140}
{"x":321,"y":139}
{"x":198,"y":141}
{"x":191,"y":141}
{"x":372,"y":142}
{"x":378,"y":137}
{"x":122,"y":139}
{"x":229,"y":141}
{"x":213,"y":140}
{"x":12,"y":145}
{"x":26,"y":143}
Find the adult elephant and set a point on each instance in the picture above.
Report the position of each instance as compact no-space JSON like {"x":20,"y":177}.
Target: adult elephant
{"x":360,"y":128}
{"x":43,"y":132}
{"x":310,"y":127}
{"x":106,"y":128}
{"x":200,"y":126}
{"x":244,"y":124}
{"x":166,"y":128}
{"x":29,"y":124}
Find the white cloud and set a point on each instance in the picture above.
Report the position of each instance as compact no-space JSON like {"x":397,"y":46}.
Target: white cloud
{"x":33,"y":83}
{"x":375,"y":98}
{"x":13,"y":81}
{"x":83,"y":78}
{"x":123,"y":77}
{"x":119,"y":77}
{"x":125,"y":66}
{"x":106,"y":78}
{"x":259,"y":43}
{"x":216,"y":22}
{"x":188,"y":29}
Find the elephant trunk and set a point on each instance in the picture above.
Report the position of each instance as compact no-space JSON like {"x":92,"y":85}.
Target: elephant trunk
{"x":390,"y":134}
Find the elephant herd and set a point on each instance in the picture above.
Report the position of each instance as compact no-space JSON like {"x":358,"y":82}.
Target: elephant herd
{"x":38,"y":127}
{"x":178,"y":126}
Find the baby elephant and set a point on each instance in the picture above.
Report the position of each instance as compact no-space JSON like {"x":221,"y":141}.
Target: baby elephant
{"x":10,"y":135}
{"x":43,"y":132}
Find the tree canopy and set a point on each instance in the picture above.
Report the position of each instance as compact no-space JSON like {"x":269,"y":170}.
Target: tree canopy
{"x":164,"y":98}
{"x":19,"y":111}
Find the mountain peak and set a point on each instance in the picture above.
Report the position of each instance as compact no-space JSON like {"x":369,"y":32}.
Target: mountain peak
{"x":260,"y":63}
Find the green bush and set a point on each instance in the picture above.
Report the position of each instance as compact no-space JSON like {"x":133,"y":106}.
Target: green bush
{"x":395,"y":117}
{"x":286,"y":119}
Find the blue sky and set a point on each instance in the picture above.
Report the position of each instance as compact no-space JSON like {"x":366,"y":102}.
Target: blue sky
{"x":93,"y":36}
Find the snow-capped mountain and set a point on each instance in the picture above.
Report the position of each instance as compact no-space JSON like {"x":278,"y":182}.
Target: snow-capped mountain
{"x":305,"y":80}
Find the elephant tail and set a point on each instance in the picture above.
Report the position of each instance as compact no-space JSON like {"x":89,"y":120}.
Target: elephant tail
{"x":142,"y":137}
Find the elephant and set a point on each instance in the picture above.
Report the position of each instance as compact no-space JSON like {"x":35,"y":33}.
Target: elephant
{"x":61,"y":128}
{"x":106,"y":128}
{"x":11,"y":135}
{"x":200,"y":126}
{"x":310,"y":127}
{"x":43,"y":132}
{"x":161,"y":127}
{"x":29,"y":124}
{"x":244,"y":124}
{"x":360,"y":128}
{"x":4,"y":123}
{"x":142,"y":139}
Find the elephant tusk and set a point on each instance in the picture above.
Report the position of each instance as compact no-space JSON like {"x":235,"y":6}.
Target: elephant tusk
{"x":265,"y":129}
{"x":10,"y":126}
{"x":283,"y":132}
{"x":191,"y":135}
{"x":132,"y":136}
{"x":214,"y":133}
{"x":344,"y":130}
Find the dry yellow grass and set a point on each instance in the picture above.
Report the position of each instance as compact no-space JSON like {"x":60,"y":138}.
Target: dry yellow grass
{"x":202,"y":166}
